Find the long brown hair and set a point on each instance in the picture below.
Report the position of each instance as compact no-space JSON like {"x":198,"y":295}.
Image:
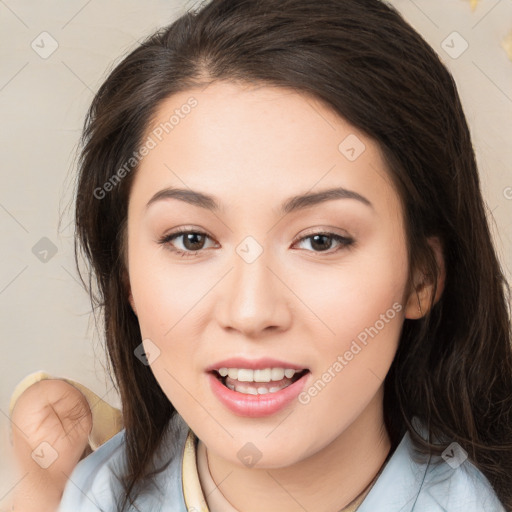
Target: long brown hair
{"x":453,"y":368}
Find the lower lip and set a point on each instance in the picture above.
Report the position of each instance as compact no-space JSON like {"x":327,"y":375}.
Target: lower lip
{"x":256,"y":406}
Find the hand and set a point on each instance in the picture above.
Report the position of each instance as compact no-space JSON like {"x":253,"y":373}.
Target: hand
{"x":51,"y":422}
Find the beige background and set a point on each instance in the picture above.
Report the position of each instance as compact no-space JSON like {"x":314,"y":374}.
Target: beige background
{"x":46,"y":322}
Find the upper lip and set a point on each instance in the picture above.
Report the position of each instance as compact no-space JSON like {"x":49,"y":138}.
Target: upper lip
{"x":253,"y":364}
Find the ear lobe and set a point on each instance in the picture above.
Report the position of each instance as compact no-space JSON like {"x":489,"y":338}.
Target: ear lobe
{"x":418,"y":302}
{"x":132,"y":303}
{"x":127,"y":287}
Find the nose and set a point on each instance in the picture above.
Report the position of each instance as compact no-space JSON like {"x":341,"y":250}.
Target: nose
{"x":254,"y":298}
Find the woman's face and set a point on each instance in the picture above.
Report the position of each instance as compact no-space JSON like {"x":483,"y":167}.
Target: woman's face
{"x":284,"y":276}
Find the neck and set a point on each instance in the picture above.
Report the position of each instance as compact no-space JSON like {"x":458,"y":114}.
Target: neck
{"x":326,"y":481}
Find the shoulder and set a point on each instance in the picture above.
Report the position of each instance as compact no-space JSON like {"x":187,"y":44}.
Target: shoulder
{"x":457,"y":486}
{"x":92,"y":482}
{"x":94,"y":485}
{"x":412,"y":484}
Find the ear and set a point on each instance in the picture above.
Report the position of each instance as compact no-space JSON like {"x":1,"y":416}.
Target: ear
{"x":132,"y":303}
{"x":127,"y":287}
{"x":418,"y":302}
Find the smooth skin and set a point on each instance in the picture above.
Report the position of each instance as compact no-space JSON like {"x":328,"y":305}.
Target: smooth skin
{"x":252,"y":148}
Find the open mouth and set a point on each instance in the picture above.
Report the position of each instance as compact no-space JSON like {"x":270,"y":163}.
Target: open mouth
{"x":258,"y":382}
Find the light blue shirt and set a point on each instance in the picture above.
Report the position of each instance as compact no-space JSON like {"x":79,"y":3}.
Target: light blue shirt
{"x":404,"y":485}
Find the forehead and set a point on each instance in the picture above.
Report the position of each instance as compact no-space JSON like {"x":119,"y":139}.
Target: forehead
{"x":254,"y":143}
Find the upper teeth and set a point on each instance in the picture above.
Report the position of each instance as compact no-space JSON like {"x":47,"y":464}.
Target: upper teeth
{"x":264,"y":375}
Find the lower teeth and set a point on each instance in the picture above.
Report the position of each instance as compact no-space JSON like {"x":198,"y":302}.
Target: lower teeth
{"x":254,"y":391}
{"x":247,"y":389}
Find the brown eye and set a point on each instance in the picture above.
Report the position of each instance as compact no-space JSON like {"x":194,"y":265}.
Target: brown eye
{"x":322,"y":242}
{"x":193,"y":241}
{"x":189,"y":242}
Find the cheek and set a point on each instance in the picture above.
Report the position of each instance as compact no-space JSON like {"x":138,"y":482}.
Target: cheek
{"x":365,"y":289}
{"x":164,"y":293}
{"x":165,"y":319}
{"x":361,"y":307}
{"x":169,"y":298}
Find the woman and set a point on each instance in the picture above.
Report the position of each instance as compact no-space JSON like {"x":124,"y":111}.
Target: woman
{"x":303,"y":306}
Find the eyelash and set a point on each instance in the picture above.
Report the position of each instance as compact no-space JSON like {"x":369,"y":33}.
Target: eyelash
{"x":165,"y":240}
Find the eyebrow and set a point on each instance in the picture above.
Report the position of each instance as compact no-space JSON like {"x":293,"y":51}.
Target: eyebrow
{"x":292,"y":204}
